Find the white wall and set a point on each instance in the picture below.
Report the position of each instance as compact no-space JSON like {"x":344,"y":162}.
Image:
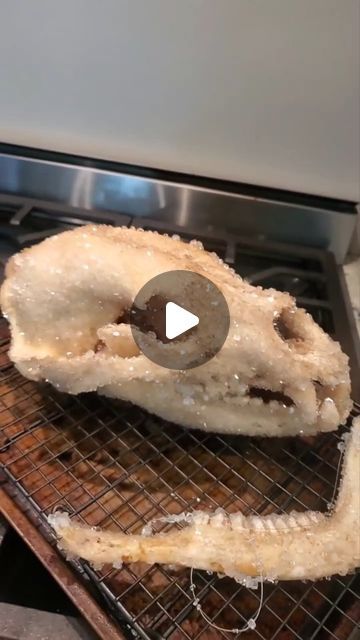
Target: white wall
{"x":265,"y":91}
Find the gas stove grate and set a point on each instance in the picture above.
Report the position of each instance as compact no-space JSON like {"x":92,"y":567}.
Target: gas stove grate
{"x":113,"y":465}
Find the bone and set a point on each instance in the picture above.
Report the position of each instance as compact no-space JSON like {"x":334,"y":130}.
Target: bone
{"x":308,"y":545}
{"x":66,"y":300}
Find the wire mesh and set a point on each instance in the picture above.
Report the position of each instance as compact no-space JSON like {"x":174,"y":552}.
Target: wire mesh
{"x":113,"y":465}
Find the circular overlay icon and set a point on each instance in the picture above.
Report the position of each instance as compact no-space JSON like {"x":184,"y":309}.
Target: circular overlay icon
{"x":179,"y":319}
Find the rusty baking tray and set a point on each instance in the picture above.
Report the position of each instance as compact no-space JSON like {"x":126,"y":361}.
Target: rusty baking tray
{"x":113,"y":465}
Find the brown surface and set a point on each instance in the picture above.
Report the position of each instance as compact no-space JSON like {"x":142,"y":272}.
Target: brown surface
{"x":62,"y":573}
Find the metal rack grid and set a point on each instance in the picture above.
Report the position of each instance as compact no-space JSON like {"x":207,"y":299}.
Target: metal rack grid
{"x":113,"y":465}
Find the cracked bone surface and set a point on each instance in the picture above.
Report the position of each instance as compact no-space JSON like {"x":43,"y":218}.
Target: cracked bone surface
{"x":308,"y":545}
{"x":67,"y":300}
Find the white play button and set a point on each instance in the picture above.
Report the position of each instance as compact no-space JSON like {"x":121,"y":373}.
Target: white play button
{"x":186,"y":332}
{"x":178,"y":320}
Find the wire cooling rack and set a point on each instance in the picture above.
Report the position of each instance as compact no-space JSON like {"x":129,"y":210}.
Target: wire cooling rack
{"x":113,"y":465}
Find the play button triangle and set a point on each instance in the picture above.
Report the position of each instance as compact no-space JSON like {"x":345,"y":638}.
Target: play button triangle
{"x":178,"y":320}
{"x":186,"y":332}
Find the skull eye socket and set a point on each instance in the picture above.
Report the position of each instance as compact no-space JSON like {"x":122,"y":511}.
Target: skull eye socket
{"x":283,"y":328}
